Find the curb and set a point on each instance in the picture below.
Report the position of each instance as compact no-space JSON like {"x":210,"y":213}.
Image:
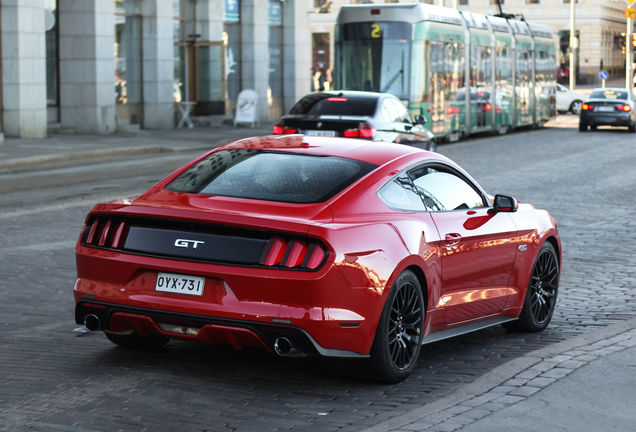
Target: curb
{"x":17,"y":163}
{"x":432,"y":413}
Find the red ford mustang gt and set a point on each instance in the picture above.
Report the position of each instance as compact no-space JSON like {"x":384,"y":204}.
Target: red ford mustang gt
{"x":307,"y":245}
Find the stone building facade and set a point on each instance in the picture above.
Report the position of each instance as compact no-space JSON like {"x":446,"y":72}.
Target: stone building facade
{"x":106,"y":66}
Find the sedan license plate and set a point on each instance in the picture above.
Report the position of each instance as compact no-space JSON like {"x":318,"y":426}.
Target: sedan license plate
{"x":180,"y":284}
{"x":320,"y":133}
{"x":606,"y":109}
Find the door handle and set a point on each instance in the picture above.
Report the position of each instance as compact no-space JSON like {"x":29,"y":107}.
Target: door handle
{"x":452,"y":239}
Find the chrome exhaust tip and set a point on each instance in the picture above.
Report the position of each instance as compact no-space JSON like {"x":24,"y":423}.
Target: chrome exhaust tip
{"x":92,"y":322}
{"x":285,"y":347}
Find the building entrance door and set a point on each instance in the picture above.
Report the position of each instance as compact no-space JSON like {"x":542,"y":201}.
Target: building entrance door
{"x":206,"y":73}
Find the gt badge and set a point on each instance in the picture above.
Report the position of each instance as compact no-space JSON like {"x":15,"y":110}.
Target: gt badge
{"x":184,"y":243}
{"x":523,"y":248}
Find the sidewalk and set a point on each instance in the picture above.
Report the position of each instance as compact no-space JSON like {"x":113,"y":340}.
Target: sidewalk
{"x":21,"y":154}
{"x":582,"y":384}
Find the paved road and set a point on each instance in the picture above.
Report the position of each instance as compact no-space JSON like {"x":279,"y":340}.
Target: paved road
{"x":57,"y":377}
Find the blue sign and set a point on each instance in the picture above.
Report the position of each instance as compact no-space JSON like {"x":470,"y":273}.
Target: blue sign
{"x":603,"y":75}
{"x":275,"y":18}
{"x":231,"y":11}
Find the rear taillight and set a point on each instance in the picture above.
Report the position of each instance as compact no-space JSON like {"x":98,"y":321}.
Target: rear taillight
{"x":279,"y":129}
{"x":586,"y":107}
{"x":364,"y":131}
{"x":294,"y":253}
{"x":105,"y":232}
{"x":625,"y":108}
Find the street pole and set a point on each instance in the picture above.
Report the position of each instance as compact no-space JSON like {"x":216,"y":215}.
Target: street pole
{"x":573,"y":46}
{"x":629,"y":63}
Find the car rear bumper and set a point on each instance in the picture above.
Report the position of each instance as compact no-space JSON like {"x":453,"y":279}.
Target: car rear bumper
{"x":121,"y":319}
{"x":607,"y":119}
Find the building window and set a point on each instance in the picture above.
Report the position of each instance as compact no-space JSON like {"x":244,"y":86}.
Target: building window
{"x":52,"y":59}
{"x":128,"y":81}
{"x":232,"y":44}
{"x":275,"y":91}
{"x":320,"y":3}
{"x":462,"y":2}
{"x":533,"y":1}
{"x":178,"y":38}
{"x":568,"y":1}
{"x":494,"y":2}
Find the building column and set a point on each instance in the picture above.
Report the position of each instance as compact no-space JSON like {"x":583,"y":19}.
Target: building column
{"x":87,"y":71}
{"x":158,"y":64}
{"x":296,"y":51}
{"x":23,"y":68}
{"x":255,"y":52}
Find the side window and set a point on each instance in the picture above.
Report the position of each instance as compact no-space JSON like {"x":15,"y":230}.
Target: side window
{"x":403,"y":113}
{"x":393,"y":114}
{"x":386,"y":114}
{"x":401,"y":194}
{"x":443,"y":190}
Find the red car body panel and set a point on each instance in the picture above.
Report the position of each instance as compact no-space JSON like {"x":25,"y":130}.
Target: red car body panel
{"x":469,"y":262}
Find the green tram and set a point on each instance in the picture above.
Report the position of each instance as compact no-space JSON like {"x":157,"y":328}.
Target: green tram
{"x":433,"y":57}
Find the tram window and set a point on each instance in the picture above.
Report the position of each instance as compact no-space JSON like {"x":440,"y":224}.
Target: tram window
{"x":376,"y":57}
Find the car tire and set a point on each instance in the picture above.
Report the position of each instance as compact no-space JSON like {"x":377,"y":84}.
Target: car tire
{"x":541,"y":295}
{"x":432,"y":145}
{"x":593,"y":128}
{"x":632,"y":128}
{"x":582,"y":127}
{"x":136,"y":341}
{"x":398,"y":339}
{"x":575,"y":107}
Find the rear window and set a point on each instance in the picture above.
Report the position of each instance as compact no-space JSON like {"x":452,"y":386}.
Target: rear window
{"x":609,"y":94}
{"x":318,"y":104}
{"x":271,"y":176}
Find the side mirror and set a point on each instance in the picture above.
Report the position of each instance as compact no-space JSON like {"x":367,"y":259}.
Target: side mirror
{"x":503,"y":203}
{"x":419,"y":119}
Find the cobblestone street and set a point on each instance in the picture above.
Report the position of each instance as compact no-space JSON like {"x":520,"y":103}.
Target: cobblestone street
{"x":56,"y":376}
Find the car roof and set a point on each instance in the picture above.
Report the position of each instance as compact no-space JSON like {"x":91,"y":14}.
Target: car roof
{"x":354,"y":94}
{"x":373,"y":152}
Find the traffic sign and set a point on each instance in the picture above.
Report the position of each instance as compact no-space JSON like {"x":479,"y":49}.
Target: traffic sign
{"x":630,"y":12}
{"x":603,"y":75}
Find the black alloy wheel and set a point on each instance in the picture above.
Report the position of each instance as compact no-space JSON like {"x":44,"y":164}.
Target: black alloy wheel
{"x":398,"y":339}
{"x":541,"y":296}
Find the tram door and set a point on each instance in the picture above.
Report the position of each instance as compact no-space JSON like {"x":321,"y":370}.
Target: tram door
{"x":437,"y":87}
{"x":481,"y":87}
{"x":524,"y":88}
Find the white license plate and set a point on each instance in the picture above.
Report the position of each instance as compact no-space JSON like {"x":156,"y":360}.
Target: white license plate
{"x":606,"y":109}
{"x":320,"y":133}
{"x":180,"y":284}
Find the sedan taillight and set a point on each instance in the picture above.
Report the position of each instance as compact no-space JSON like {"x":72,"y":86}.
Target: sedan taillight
{"x":365,"y":131}
{"x":625,"y":108}
{"x":586,"y":107}
{"x":292,"y":254}
{"x":279,"y":129}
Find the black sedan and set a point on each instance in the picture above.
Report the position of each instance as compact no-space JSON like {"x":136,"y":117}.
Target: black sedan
{"x":354,"y":114}
{"x":608,"y":107}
